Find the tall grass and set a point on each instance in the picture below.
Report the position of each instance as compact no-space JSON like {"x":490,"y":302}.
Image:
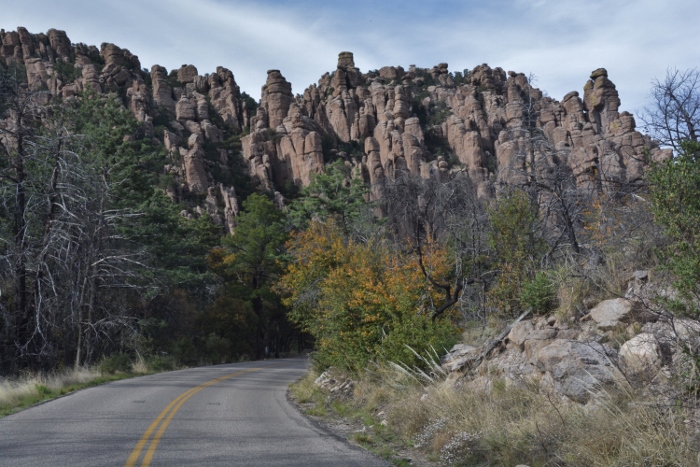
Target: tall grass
{"x":31,"y":388}
{"x":511,"y":424}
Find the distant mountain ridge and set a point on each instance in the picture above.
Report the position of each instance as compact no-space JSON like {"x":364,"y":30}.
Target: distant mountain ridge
{"x":487,"y":123}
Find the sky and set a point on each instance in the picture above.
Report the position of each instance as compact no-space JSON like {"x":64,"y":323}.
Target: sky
{"x":560,"y":42}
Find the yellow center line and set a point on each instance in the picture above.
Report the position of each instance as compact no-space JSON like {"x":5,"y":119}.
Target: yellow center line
{"x":169,"y":412}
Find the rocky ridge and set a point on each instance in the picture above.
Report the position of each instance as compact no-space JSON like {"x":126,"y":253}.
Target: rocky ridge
{"x":621,"y":341}
{"x":494,"y":126}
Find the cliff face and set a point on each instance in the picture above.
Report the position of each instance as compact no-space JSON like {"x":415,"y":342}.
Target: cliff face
{"x":189,"y":114}
{"x":491,"y":124}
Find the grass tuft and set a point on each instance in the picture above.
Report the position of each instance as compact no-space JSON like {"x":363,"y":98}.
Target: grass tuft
{"x":509,"y":424}
{"x":30,"y":389}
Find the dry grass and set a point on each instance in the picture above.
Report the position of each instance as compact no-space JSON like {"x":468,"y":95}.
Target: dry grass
{"x":511,"y":425}
{"x":16,"y":394}
{"x":305,"y":390}
{"x":517,"y":424}
{"x":31,"y":388}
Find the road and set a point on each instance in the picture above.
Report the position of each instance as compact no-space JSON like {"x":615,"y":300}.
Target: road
{"x":234,"y":415}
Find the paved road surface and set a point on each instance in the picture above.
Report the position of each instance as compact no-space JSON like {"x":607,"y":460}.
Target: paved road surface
{"x":234,"y":415}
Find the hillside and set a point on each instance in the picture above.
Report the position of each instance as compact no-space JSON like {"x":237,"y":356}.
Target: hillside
{"x":430,"y":122}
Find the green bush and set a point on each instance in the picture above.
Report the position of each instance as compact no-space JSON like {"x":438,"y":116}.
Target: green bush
{"x":538,"y":294}
{"x":518,"y":248}
{"x":218,"y":348}
{"x":66,"y":71}
{"x":161,"y":363}
{"x":675,"y":200}
{"x":186,"y":352}
{"x":114,"y":363}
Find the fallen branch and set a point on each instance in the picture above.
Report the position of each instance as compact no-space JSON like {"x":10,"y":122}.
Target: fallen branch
{"x":490,"y":344}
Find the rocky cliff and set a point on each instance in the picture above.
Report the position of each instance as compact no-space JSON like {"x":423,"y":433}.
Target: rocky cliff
{"x":493,"y":125}
{"x":432,"y":123}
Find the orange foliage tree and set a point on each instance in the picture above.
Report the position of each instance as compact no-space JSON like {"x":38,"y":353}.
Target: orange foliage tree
{"x":363,"y":302}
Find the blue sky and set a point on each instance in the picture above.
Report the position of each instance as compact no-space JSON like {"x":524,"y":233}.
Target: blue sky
{"x":559,"y":41}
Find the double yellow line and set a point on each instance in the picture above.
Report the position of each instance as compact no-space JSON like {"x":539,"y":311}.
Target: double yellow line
{"x":165,"y":417}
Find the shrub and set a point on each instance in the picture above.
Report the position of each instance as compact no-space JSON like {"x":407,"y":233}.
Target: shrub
{"x":675,"y":198}
{"x":518,"y":249}
{"x":66,"y":71}
{"x":161,"y":363}
{"x":362,"y":302}
{"x":217,"y":348}
{"x":114,"y":363}
{"x":538,"y":294}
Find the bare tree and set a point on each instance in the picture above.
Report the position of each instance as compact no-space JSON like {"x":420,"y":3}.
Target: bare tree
{"x":72,"y":269}
{"x":674,"y":115}
{"x":448,"y":211}
{"x":19,"y":114}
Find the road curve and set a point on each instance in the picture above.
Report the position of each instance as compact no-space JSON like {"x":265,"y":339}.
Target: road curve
{"x":230,"y":415}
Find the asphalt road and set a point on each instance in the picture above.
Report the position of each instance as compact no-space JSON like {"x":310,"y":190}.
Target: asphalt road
{"x":234,"y":415}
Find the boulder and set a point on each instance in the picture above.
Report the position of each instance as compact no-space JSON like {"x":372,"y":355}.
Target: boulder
{"x":60,"y":43}
{"x":195,"y":172}
{"x":277,"y":97}
{"x":162,"y":92}
{"x":187,"y":74}
{"x":225,"y":97}
{"x":459,"y":356}
{"x":617,"y":313}
{"x":185,"y":109}
{"x":641,"y":357}
{"x":577,"y":369}
{"x":113,"y":55}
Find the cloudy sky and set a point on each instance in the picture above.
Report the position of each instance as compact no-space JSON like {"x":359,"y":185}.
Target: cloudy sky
{"x":559,"y":41}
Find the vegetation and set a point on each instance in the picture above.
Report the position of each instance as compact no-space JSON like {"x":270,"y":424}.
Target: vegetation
{"x":541,"y":246}
{"x":67,"y":71}
{"x":249,"y":262}
{"x":333,"y":194}
{"x":361,"y":301}
{"x":508,"y":425}
{"x":676,"y":206}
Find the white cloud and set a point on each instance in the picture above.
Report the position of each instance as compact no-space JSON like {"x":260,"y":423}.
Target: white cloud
{"x":560,"y":41}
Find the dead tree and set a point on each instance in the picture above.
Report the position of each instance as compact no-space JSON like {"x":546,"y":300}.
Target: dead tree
{"x":448,"y":212}
{"x":674,"y":114}
{"x":19,"y":117}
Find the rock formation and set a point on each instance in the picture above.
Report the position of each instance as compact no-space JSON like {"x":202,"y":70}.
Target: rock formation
{"x":577,"y":360}
{"x":179,"y":108}
{"x":494,"y":126}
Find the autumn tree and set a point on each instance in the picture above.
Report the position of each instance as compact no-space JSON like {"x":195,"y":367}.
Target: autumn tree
{"x":362,"y":302}
{"x":427,"y":212}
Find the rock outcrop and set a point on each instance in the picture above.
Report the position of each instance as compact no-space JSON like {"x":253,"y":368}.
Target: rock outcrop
{"x":619,"y":342}
{"x":179,"y":108}
{"x":495,"y":124}
{"x":492,"y":125}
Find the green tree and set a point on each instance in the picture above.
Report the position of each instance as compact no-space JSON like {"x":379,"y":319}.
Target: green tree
{"x":250,"y":261}
{"x":675,"y":200}
{"x":92,"y":235}
{"x":517,"y":250}
{"x":334,"y":193}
